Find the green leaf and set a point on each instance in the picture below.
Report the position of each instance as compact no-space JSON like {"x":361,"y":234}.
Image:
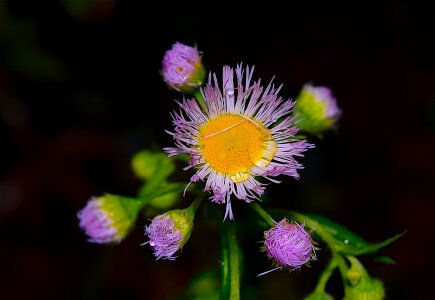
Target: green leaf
{"x":385,"y":260}
{"x":338,"y":238}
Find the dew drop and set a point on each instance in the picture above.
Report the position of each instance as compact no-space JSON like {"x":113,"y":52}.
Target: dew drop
{"x":152,"y":244}
{"x":230,"y":92}
{"x":346,"y":242}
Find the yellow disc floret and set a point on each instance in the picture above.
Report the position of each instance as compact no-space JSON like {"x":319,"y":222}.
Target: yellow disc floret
{"x":232,"y":144}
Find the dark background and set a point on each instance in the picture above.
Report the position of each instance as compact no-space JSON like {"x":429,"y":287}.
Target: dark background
{"x":80,"y":93}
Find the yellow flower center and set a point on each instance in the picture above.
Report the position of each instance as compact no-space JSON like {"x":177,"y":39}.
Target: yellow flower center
{"x":232,"y":144}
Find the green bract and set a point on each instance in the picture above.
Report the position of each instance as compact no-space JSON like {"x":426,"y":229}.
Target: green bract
{"x":122,"y":211}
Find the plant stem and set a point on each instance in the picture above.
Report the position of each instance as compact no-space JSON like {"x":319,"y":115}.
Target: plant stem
{"x":200,"y":99}
{"x":234,"y":265}
{"x":195,"y":204}
{"x":231,"y":264}
{"x":326,"y":274}
{"x":263,"y":214}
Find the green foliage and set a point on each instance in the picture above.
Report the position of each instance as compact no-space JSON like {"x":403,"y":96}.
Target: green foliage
{"x":154,"y":168}
{"x":344,"y":245}
{"x":340,"y":239}
{"x":358,"y":285}
{"x":123,"y":212}
{"x":319,"y":296}
{"x":202,"y":286}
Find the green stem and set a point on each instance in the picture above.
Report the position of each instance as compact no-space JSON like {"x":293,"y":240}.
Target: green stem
{"x":326,"y":274}
{"x":195,"y":204}
{"x":145,"y":196}
{"x":234,"y":265}
{"x":342,"y":265}
{"x":263,"y":214}
{"x":231,"y":264}
{"x":200,"y":99}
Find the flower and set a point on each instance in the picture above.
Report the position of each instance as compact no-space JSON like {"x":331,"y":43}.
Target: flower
{"x":169,"y":232}
{"x":289,"y":245}
{"x":182,"y":68}
{"x":108,"y":219}
{"x":241,"y":133}
{"x":318,"y":109}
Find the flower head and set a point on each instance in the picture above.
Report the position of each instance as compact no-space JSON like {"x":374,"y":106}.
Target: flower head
{"x":289,"y":245}
{"x":243,"y":132}
{"x":182,"y":68}
{"x":169,"y":232}
{"x":318,"y":109}
{"x":108,"y":219}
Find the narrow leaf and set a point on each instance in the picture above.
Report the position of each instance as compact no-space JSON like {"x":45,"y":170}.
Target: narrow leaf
{"x":338,"y":238}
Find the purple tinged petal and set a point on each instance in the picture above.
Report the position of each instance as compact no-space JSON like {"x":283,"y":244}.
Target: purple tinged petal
{"x":324,"y":94}
{"x":288,"y":245}
{"x":97,"y":224}
{"x":163,"y":237}
{"x":179,"y":65}
{"x":239,"y":95}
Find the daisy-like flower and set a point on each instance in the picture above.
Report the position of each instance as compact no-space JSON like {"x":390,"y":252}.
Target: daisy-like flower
{"x":243,"y":132}
{"x":288,"y":245}
{"x":182,"y":68}
{"x":169,"y":232}
{"x":108,"y":219}
{"x":318,"y":109}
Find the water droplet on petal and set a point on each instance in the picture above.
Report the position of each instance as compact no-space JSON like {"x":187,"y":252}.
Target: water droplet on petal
{"x":229,"y":92}
{"x":152,"y":244}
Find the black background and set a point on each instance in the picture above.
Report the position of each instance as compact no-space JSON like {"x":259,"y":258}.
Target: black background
{"x":81,"y":93}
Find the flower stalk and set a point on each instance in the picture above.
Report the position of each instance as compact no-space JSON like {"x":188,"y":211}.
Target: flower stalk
{"x":231,"y":264}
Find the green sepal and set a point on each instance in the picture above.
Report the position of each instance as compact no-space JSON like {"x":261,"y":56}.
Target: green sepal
{"x":121,"y":210}
{"x":183,"y":222}
{"x":195,"y":81}
{"x":312,"y":113}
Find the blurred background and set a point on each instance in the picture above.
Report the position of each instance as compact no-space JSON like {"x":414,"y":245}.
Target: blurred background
{"x":81,"y":92}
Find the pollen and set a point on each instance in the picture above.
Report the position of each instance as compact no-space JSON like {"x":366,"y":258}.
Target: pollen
{"x":233,"y":144}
